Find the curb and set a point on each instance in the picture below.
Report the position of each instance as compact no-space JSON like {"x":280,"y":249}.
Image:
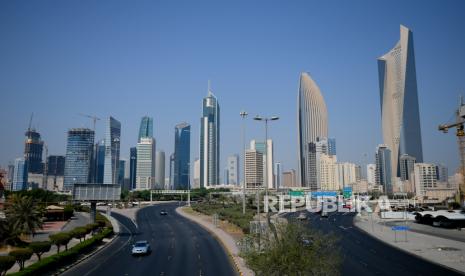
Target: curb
{"x":406,"y":251}
{"x":229,"y":253}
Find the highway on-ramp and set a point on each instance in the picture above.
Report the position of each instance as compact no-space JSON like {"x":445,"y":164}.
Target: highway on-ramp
{"x":179,"y":247}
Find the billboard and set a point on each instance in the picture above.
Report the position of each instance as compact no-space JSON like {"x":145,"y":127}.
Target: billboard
{"x":97,"y":192}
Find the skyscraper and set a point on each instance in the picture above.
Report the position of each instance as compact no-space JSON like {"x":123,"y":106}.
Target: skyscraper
{"x":145,"y":171}
{"x":278,"y":175}
{"x":132,"y":167}
{"x":146,"y":128}
{"x":20,"y":175}
{"x":99,"y":162}
{"x":442,"y":173}
{"x":383,"y":168}
{"x":331,"y":146}
{"x":267,"y":152}
{"x":196,"y":183}
{"x":210,"y":141}
{"x":78,"y":161}
{"x":312,"y":122}
{"x":33,"y":147}
{"x":253,"y":168}
{"x":160,"y":170}
{"x":315,"y":150}
{"x":371,"y":174}
{"x":112,"y":151}
{"x":171,"y":177}
{"x":182,"y":156}
{"x":56,"y":165}
{"x":233,"y":170}
{"x":399,"y":101}
{"x":406,"y":163}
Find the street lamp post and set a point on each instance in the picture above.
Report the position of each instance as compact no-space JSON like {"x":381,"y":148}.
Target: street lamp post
{"x":243,"y":116}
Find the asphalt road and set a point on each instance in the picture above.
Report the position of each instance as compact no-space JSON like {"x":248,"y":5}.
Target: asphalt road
{"x":365,"y":255}
{"x":179,"y":247}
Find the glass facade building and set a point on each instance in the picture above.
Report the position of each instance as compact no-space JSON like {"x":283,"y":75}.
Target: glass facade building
{"x":210,"y":142}
{"x":400,"y":114}
{"x":182,"y":156}
{"x":33,"y":147}
{"x":78,"y":161}
{"x":146,"y":128}
{"x":112,"y":151}
{"x":20,"y":175}
{"x":56,"y":165}
{"x":383,"y":168}
{"x":132,"y":167}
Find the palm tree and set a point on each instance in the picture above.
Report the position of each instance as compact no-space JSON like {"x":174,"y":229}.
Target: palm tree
{"x":24,"y":214}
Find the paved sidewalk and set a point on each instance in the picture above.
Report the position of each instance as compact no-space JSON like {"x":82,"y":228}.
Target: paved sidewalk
{"x":439,"y":250}
{"x":226,"y":240}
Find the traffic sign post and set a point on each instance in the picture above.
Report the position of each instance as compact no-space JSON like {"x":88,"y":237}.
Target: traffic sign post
{"x":347,"y":192}
{"x":400,"y":228}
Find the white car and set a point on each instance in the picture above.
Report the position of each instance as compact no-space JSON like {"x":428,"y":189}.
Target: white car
{"x":302,"y":216}
{"x":141,"y":248}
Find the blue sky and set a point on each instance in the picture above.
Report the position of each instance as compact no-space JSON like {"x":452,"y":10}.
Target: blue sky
{"x":133,"y":58}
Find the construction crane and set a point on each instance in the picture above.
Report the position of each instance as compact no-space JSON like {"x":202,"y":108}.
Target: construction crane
{"x":460,"y":133}
{"x":93,"y":117}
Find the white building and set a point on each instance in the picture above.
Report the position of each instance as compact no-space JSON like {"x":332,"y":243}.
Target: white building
{"x":145,"y":172}
{"x":425,"y":178}
{"x":253,"y":168}
{"x":346,"y":174}
{"x":196,"y":173}
{"x":371,"y":174}
{"x":267,"y":152}
{"x":328,"y":171}
{"x":233,"y":170}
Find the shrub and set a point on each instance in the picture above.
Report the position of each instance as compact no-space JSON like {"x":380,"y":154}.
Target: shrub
{"x":40,"y":248}
{"x":21,"y":255}
{"x":68,"y":211}
{"x":6,"y":262}
{"x":79,"y":233}
{"x":60,"y":239}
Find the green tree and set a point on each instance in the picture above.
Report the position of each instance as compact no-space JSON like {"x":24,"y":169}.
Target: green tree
{"x":40,"y":248}
{"x":79,"y":233}
{"x":6,"y":262}
{"x":24,"y":214}
{"x":60,"y":239}
{"x":297,"y":251}
{"x":21,"y":255}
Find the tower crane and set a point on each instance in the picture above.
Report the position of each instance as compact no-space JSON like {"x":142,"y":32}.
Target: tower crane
{"x":93,"y":117}
{"x":460,"y":133}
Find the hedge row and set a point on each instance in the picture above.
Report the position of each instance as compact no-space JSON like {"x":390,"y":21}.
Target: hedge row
{"x":231,"y":213}
{"x":53,"y":262}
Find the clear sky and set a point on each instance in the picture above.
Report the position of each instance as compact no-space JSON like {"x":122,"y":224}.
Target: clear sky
{"x":133,"y":58}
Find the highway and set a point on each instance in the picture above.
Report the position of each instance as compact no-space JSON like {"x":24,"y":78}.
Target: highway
{"x":365,"y":255}
{"x":180,"y":247}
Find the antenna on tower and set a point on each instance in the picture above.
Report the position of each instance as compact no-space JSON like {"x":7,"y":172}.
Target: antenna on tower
{"x":209,"y":88}
{"x":30,"y":121}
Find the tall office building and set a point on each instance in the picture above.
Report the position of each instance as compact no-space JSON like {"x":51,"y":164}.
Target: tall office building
{"x":160,"y":170}
{"x":99,"y":161}
{"x":315,"y":150}
{"x":145,"y":171}
{"x":346,"y":174}
{"x":11,"y":173}
{"x":146,"y":128}
{"x":399,"y":101}
{"x":132,"y":167}
{"x":112,"y":151}
{"x":406,"y":163}
{"x":328,"y":172}
{"x":383,"y":168}
{"x":182,"y":156}
{"x":33,"y":147}
{"x":171,"y":177}
{"x":20,"y":176}
{"x":253,"y":168}
{"x":121,"y":171}
{"x":210,"y":141}
{"x":425,"y":178}
{"x":78,"y":161}
{"x":312,"y":123}
{"x":332,"y":146}
{"x":278,"y":180}
{"x":371,"y":174}
{"x":56,"y":165}
{"x":267,"y":151}
{"x":233,"y":170}
{"x":196,"y":173}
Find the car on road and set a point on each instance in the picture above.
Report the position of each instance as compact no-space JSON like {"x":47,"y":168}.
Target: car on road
{"x":141,"y":248}
{"x":163,"y":213}
{"x":324,"y":214}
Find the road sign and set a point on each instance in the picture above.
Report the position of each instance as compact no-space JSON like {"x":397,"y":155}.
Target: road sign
{"x":400,"y":228}
{"x":296,"y":193}
{"x":347,"y":192}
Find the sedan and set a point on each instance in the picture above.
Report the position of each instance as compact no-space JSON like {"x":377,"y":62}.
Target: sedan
{"x":141,"y":248}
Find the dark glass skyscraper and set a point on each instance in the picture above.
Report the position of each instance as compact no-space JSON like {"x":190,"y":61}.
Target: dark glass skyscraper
{"x":182,"y":149}
{"x":99,"y":162}
{"x":33,"y":147}
{"x":78,"y":161}
{"x":146,"y":128}
{"x":112,"y":151}
{"x":210,"y":142}
{"x":383,"y":173}
{"x":132,"y":167}
{"x":56,"y":165}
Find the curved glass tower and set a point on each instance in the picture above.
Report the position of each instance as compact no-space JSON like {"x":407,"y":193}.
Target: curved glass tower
{"x":182,"y":155}
{"x":312,"y":123}
{"x":146,"y":128}
{"x":399,"y":101}
{"x":210,"y":142}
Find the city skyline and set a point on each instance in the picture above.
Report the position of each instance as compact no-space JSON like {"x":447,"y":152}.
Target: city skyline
{"x":349,"y":98}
